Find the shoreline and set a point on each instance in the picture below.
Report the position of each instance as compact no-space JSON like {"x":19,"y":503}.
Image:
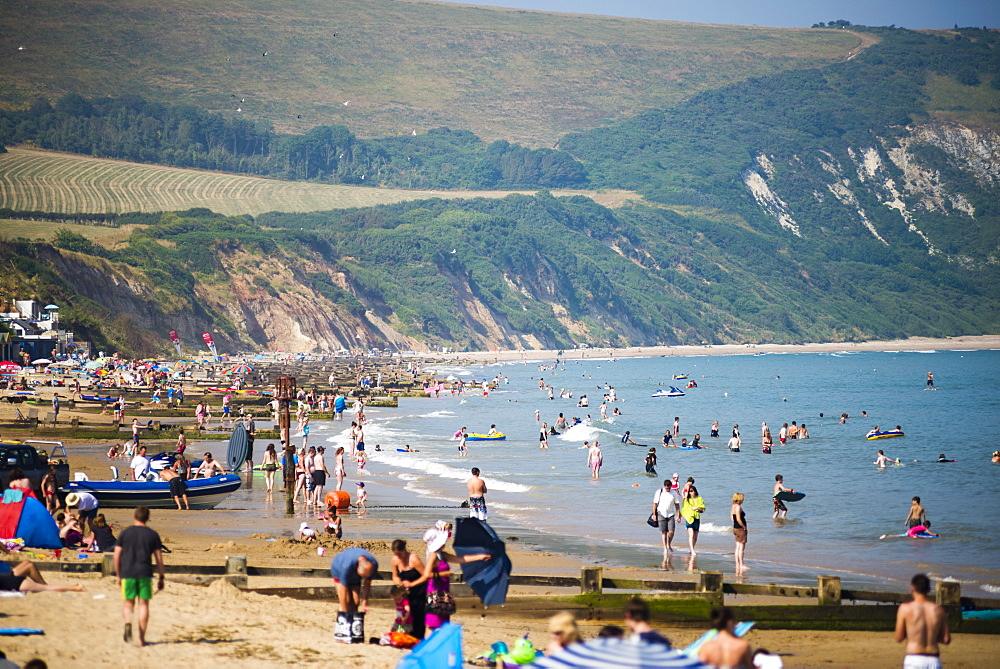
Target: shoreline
{"x":963,"y":342}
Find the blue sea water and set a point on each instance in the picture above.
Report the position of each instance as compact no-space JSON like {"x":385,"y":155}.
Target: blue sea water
{"x":549,"y":499}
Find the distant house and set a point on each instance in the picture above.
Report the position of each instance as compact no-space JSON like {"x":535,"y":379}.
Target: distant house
{"x":22,"y":328}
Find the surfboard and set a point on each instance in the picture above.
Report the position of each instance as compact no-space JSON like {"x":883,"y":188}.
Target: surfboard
{"x":403,"y":450}
{"x":19,"y":631}
{"x":239,"y":446}
{"x":786,"y":496}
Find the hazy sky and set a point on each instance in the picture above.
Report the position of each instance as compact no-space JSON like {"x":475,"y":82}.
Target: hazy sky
{"x":791,"y":13}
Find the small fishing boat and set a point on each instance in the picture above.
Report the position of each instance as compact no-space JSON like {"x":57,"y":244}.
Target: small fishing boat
{"x":205,"y":493}
{"x":486,"y":437}
{"x":673,"y":392}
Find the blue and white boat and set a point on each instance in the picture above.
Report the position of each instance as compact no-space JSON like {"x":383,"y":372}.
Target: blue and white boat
{"x":205,"y":493}
{"x":673,"y":392}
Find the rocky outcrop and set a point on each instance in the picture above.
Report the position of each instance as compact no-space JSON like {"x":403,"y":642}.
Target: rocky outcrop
{"x":888,"y":173}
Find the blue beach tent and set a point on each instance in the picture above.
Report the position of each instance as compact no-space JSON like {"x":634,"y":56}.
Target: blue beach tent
{"x":441,"y":650}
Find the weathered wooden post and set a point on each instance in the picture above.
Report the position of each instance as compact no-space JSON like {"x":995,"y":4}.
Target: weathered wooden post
{"x":591,"y":580}
{"x":710,"y":583}
{"x":108,"y":564}
{"x":285,"y":393}
{"x":236,"y":570}
{"x":829,"y":591}
{"x":949,"y":595}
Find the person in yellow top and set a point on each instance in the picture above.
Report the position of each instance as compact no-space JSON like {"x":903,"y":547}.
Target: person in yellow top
{"x":691,"y":511}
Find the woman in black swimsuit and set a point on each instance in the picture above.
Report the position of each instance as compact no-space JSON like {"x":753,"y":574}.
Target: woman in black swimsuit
{"x":739,"y":530}
{"x":407,"y":566}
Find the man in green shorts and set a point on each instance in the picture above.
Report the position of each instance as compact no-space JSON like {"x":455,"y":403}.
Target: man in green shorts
{"x":136,"y":547}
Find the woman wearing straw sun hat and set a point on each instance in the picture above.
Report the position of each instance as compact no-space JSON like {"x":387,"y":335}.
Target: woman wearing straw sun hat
{"x":437,"y":574}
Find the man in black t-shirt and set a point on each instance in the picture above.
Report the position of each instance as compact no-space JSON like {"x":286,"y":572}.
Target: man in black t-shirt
{"x":137,"y":546}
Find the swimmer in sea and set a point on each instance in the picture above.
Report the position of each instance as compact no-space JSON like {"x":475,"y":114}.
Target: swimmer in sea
{"x":874,"y":430}
{"x":734,"y":444}
{"x":667,"y":439}
{"x":942,"y":458}
{"x":627,"y":439}
{"x":882,"y":459}
{"x":996,"y":456}
{"x":651,"y":461}
{"x":921,"y":531}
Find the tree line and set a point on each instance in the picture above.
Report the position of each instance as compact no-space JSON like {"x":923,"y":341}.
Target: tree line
{"x":131,"y":128}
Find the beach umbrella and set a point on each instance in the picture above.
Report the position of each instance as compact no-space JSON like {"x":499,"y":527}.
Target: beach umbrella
{"x":488,"y":579}
{"x":10,"y":368}
{"x":41,"y":361}
{"x":239,"y":370}
{"x":631,"y":652}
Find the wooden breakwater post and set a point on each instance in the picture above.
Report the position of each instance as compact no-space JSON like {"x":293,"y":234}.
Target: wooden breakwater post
{"x":108,"y":564}
{"x":236,"y":570}
{"x":591,"y":580}
{"x":829,"y":591}
{"x":948,"y":595}
{"x":710,"y":586}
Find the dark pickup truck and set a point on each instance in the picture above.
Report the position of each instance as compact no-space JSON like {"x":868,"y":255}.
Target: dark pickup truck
{"x":33,"y":457}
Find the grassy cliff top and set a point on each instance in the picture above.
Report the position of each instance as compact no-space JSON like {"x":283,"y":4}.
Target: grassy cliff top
{"x":384,"y":67}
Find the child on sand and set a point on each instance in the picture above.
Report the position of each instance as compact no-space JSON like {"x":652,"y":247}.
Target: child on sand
{"x":306,"y":533}
{"x":332,"y":523}
{"x":404,"y":620}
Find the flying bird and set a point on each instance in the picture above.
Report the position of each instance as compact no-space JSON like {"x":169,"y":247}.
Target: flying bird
{"x":454,"y":250}
{"x":265,"y":53}
{"x":20,"y":48}
{"x":239,"y":109}
{"x":347,"y":103}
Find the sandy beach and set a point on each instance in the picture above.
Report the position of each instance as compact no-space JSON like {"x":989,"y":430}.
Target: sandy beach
{"x":964,"y":343}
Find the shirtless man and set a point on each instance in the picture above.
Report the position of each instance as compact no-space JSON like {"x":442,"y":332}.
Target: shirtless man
{"x":477,"y":492}
{"x":725,"y":649}
{"x":923,"y":625}
{"x":916,"y":515}
{"x":882,"y":459}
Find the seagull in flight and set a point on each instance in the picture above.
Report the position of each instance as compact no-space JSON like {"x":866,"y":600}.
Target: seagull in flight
{"x":454,"y":250}
{"x":347,"y":103}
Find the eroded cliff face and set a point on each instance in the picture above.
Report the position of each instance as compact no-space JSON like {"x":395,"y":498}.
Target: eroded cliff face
{"x":889,"y":183}
{"x":240,"y":309}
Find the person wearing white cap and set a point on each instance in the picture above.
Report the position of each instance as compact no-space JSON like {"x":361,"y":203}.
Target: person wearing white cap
{"x":86,"y":504}
{"x":306,"y":533}
{"x":437,"y":573}
{"x":352,"y":571}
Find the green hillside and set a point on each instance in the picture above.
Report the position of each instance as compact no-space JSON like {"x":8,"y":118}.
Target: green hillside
{"x":401,"y":65}
{"x":844,"y":199}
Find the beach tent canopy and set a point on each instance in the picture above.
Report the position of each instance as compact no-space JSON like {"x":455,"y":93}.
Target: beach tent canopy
{"x":441,"y":650}
{"x":630,"y":652}
{"x":25,"y":518}
{"x":487,"y":578}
